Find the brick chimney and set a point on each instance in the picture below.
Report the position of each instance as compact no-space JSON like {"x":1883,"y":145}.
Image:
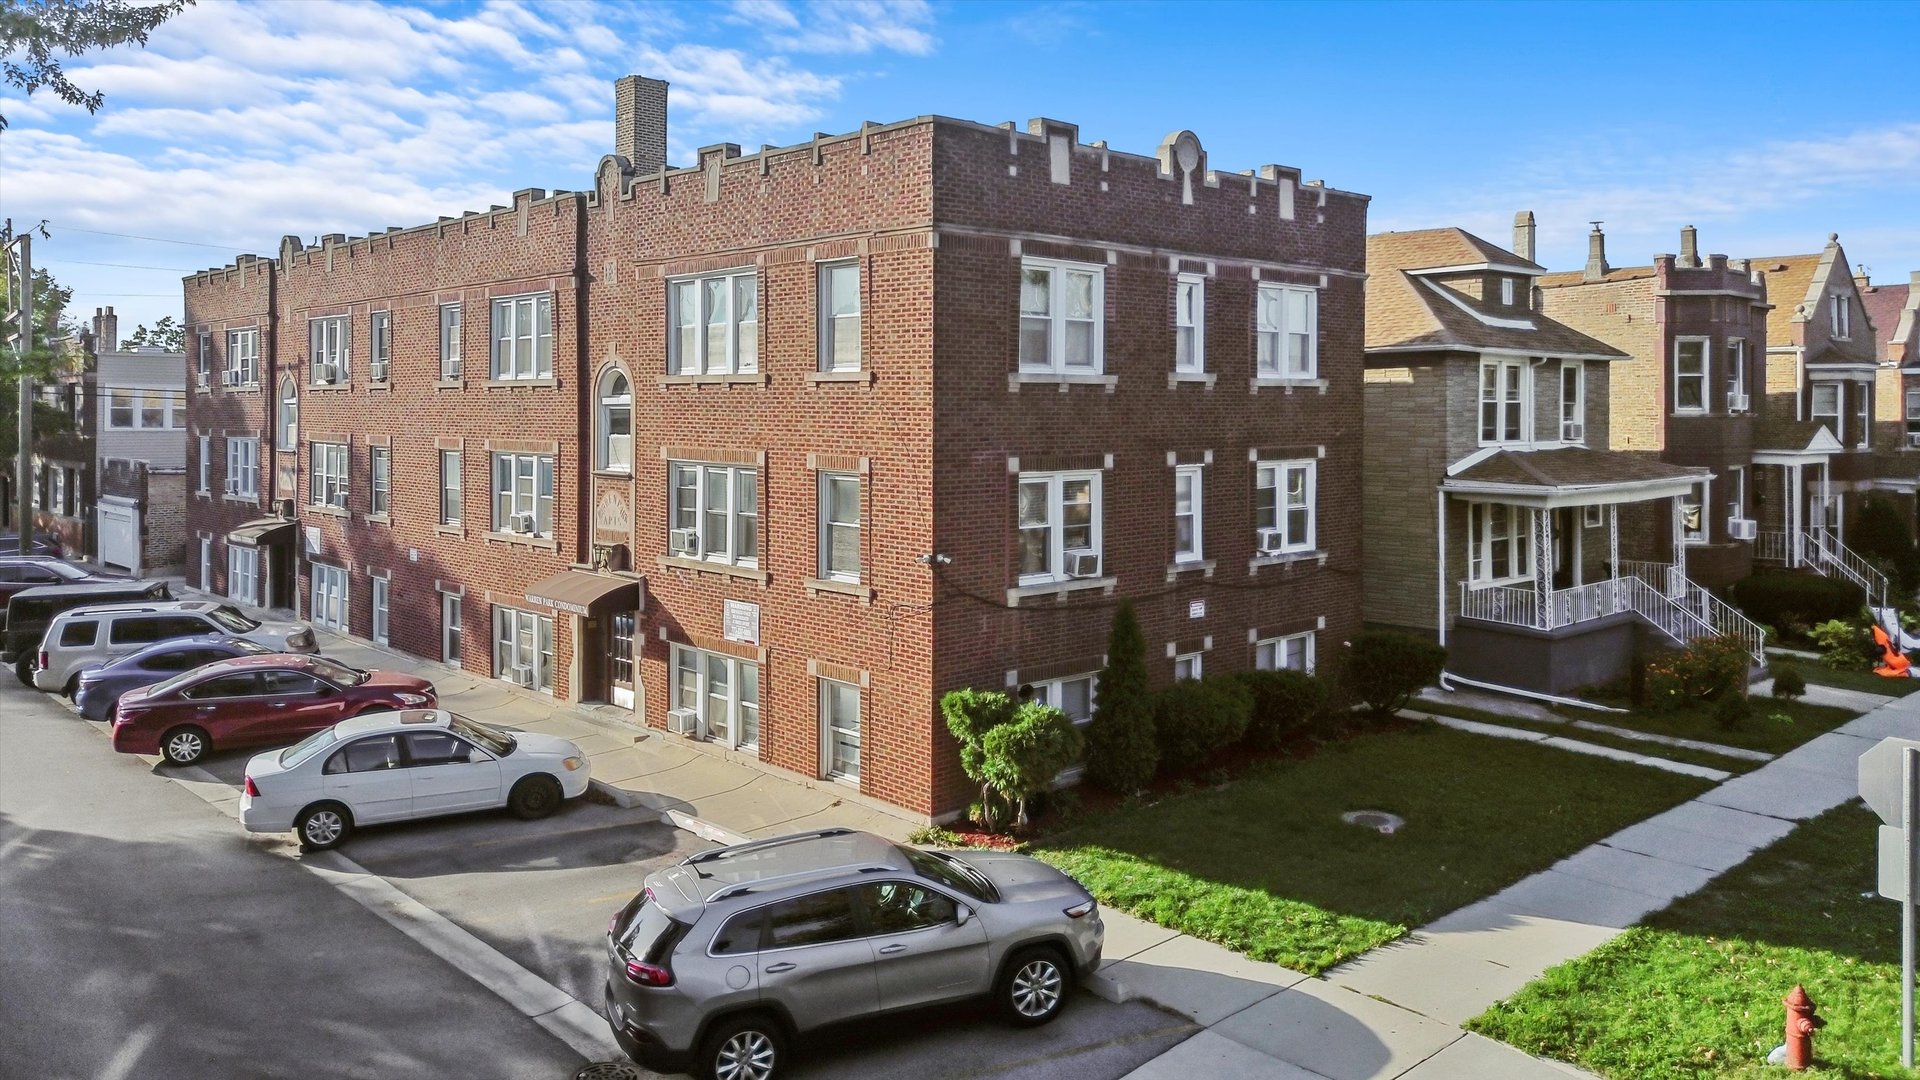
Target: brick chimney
{"x":1860,"y":276}
{"x":1596,"y":267}
{"x":640,"y":123}
{"x":1523,"y":233}
{"x":106,"y":330}
{"x":1689,"y":248}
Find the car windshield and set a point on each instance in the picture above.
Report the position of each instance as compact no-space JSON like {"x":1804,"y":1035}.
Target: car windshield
{"x":305,"y":749}
{"x":66,"y":570}
{"x":168,"y":686}
{"x":338,"y":673}
{"x":231,"y":620}
{"x":950,"y":872}
{"x":497,"y":742}
{"x":246,"y":647}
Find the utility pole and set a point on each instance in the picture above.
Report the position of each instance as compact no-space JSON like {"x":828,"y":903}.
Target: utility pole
{"x":22,"y":260}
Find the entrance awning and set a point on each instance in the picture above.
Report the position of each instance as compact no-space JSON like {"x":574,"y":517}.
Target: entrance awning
{"x":262,"y":532}
{"x":580,"y":592}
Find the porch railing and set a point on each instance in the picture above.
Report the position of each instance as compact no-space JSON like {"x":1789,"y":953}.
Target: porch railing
{"x":1849,"y":564}
{"x":1725,"y":619}
{"x":1678,"y":608}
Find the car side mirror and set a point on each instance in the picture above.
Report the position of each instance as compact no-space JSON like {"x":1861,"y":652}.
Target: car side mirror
{"x":961,"y":914}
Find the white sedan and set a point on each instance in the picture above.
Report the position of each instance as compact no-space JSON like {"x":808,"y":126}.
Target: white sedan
{"x":413,"y":763}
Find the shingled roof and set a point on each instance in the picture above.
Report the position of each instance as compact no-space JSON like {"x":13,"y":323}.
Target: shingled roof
{"x":1572,"y":467}
{"x":1883,"y":304}
{"x":1788,"y":279}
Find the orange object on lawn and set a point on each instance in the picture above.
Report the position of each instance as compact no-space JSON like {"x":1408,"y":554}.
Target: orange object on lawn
{"x":1893,"y":665}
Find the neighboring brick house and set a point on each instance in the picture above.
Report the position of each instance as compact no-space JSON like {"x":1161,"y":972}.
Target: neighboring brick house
{"x":1695,"y":331}
{"x":139,"y":408}
{"x":724,"y":378}
{"x":1894,"y":313}
{"x":64,"y":477}
{"x":1493,"y":509}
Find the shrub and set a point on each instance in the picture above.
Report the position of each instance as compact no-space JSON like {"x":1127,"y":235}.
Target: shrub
{"x":1198,"y":718}
{"x":1285,"y":705}
{"x":1788,"y":683}
{"x":1790,"y":600}
{"x":1385,"y":669}
{"x":1731,"y":712}
{"x":1706,"y":670}
{"x":1121,"y":753}
{"x":1880,"y":533}
{"x":935,"y":836}
{"x":1022,"y":756}
{"x":1845,"y":645}
{"x":970,"y":715}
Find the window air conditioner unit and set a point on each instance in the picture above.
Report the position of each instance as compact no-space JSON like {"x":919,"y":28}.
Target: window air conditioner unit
{"x":684,"y":542}
{"x":330,"y":373}
{"x":1737,"y":402}
{"x":233,"y":487}
{"x":338,"y":500}
{"x":1573,"y":432}
{"x":522,"y":523}
{"x":684,"y":722}
{"x":1271,"y":541}
{"x":1913,"y":440}
{"x":1742,"y":528}
{"x":1082,"y":564}
{"x":521,"y":674}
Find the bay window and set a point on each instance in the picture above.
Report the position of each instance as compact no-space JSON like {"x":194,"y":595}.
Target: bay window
{"x":1690,"y":375}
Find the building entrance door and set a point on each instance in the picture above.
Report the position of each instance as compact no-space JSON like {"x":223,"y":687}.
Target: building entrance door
{"x":620,"y":659}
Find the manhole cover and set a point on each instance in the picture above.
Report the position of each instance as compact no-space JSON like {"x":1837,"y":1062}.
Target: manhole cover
{"x":1378,"y":820}
{"x":610,"y":1070}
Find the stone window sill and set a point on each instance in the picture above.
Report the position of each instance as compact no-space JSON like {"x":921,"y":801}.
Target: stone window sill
{"x":544,"y":543}
{"x":816,"y":586}
{"x":247,"y":500}
{"x":286,"y":449}
{"x":1062,"y":380}
{"x":745,"y":573}
{"x":509,"y":384}
{"x":450,"y":384}
{"x":614,"y":474}
{"x":1060,"y":590}
{"x":1205,"y":567}
{"x":1319,"y":558}
{"x":1204,"y":378}
{"x":380,"y":519}
{"x":1255,"y":385}
{"x":817,"y":378}
{"x":328,"y":511}
{"x":380,"y":384}
{"x":739,"y":378}
{"x":451,"y":529}
{"x":324,"y":387}
{"x":242,"y":388}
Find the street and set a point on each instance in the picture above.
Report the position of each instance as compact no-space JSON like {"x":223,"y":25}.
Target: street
{"x":194,"y":972}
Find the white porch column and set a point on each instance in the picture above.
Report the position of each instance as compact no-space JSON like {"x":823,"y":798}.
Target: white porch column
{"x":1542,"y":567}
{"x":1791,"y":473}
{"x":1440,"y":549}
{"x":1826,"y":496}
{"x":1613,"y":538}
{"x":1680,"y":535}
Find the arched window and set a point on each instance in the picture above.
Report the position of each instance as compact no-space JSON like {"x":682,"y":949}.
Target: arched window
{"x":616,"y":422}
{"x":289,"y":414}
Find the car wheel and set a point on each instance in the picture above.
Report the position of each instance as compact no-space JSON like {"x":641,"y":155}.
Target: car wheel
{"x":23,"y":670}
{"x":184,"y":745}
{"x":323,"y":826}
{"x":534,"y":797}
{"x":750,"y":1047}
{"x":1034,"y":986}
{"x":72,"y":689}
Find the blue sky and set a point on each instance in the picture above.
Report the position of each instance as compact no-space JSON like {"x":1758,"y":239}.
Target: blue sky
{"x":1768,"y":126}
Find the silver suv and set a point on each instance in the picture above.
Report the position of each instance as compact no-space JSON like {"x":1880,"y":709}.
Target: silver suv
{"x":725,"y":957}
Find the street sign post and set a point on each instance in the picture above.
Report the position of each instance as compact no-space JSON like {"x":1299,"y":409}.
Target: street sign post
{"x":1890,"y":784}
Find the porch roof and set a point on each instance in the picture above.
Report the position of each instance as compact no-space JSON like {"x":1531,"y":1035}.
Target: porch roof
{"x":1569,"y":476}
{"x":1794,"y":442}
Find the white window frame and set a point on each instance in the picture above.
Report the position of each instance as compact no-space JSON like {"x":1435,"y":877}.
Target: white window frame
{"x":733,"y":678}
{"x":614,"y":452}
{"x":831,"y":767}
{"x":1863,"y":412}
{"x":1573,"y":413}
{"x":331,"y":606}
{"x":135,"y":402}
{"x":243,"y":356}
{"x":1193,"y":479}
{"x":1736,"y":491}
{"x":830,"y":525}
{"x":1481,"y":538}
{"x":1699,"y":498}
{"x":380,"y":346}
{"x":1188,"y":666}
{"x":1274,"y":475}
{"x":1737,"y":376}
{"x":1506,"y":291}
{"x":1836,"y":417}
{"x":522,"y":336}
{"x":1277,"y":653}
{"x":453,"y":632}
{"x":838,"y":325}
{"x":1190,"y":324}
{"x":690,"y":348}
{"x":1286,"y":316}
{"x":243,"y":467}
{"x":523,"y":638}
{"x":327,"y":482}
{"x":289,"y":413}
{"x":738,"y":521}
{"x":243,"y":574}
{"x":203,"y":360}
{"x":205,"y":469}
{"x":1592,"y":516}
{"x":206,"y":564}
{"x":1509,"y":398}
{"x":330,"y":341}
{"x":1053,"y":324}
{"x":449,"y":342}
{"x":1698,"y":379}
{"x":379,"y":480}
{"x":120,"y":399}
{"x":382,"y":616}
{"x":523,"y":483}
{"x":450,"y":493}
{"x":1055,"y":484}
{"x":1840,"y":316}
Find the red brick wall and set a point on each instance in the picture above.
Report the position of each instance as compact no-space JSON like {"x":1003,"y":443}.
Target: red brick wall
{"x":236,"y":297}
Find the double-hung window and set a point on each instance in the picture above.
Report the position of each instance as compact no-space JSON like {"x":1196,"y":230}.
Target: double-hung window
{"x":713,"y":513}
{"x":379,"y":345}
{"x":382,"y":601}
{"x":1285,"y":506}
{"x":1506,"y":291}
{"x":1863,"y":414}
{"x":328,"y":486}
{"x":523,"y":337}
{"x":615,"y":451}
{"x":1189,"y":512}
{"x":1059,"y":526}
{"x":1840,"y":316}
{"x":1286,"y":318}
{"x":449,"y":341}
{"x":203,"y":359}
{"x":1573,"y":401}
{"x":840,"y":316}
{"x":714,"y":324}
{"x":1737,"y":400}
{"x":523,"y":494}
{"x":722,"y":691}
{"x":1690,"y":375}
{"x":243,"y":357}
{"x":1075,"y":696}
{"x":1499,"y":544}
{"x":1693,"y":512}
{"x":1190,"y":324}
{"x":1913,"y":418}
{"x":243,"y":574}
{"x":1291,"y":653}
{"x":289,"y":414}
{"x":243,"y":468}
{"x":1826,"y":408}
{"x":205,"y":464}
{"x":1737,"y":491}
{"x":1503,"y":405}
{"x":1187,"y":666}
{"x":523,"y":648}
{"x":379,"y":479}
{"x":120,"y":409}
{"x":1062,"y":317}
{"x":839,"y":730}
{"x":840,"y":526}
{"x":328,"y":340}
{"x":329,"y":597}
{"x":449,"y":487}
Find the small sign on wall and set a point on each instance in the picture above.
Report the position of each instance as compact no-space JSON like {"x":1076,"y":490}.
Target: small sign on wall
{"x":740,"y":621}
{"x":1196,"y":609}
{"x":313,"y":539}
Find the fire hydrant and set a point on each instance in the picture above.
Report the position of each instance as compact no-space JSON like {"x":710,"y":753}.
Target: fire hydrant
{"x":1802,"y":1022}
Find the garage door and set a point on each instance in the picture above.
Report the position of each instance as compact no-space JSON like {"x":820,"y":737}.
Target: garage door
{"x":119,"y":532}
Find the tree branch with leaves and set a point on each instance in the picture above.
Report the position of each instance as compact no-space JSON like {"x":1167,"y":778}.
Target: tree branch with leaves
{"x":37,"y":35}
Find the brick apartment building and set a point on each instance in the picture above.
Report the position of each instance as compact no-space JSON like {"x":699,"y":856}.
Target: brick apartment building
{"x":775,"y":449}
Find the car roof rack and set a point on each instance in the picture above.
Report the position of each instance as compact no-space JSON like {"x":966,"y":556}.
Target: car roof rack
{"x":744,"y":887}
{"x":713,"y":854}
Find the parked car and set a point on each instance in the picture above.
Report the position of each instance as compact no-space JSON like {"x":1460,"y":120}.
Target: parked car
{"x":722,"y":959}
{"x":40,"y":543}
{"x":31,"y":610}
{"x":254,"y":701}
{"x":89,"y":637}
{"x":101,"y":687}
{"x":19,"y":572}
{"x":411,"y":764}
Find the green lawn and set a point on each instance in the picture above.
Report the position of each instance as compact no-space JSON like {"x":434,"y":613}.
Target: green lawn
{"x":1695,"y":991}
{"x":1867,"y":681}
{"x":1266,"y":867}
{"x":1565,"y":729}
{"x":1764,"y":730}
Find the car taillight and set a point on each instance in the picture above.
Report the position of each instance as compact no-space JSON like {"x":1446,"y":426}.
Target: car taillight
{"x":1080,"y":910}
{"x":250,"y":789}
{"x":44,"y":663}
{"x":645,"y":974}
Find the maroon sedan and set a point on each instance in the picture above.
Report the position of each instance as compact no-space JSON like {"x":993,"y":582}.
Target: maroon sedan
{"x":255,"y":701}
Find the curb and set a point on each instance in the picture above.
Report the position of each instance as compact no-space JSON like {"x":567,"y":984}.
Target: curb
{"x":679,"y":819}
{"x":1106,"y":988}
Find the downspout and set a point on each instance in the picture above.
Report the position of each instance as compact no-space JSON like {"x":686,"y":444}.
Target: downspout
{"x":1440,"y":544}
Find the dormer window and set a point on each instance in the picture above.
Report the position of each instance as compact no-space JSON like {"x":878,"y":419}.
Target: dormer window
{"x":1506,"y":291}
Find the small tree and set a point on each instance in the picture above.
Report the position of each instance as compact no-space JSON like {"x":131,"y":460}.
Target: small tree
{"x":1121,"y":754}
{"x":166,"y":334}
{"x":1880,"y":533}
{"x":1285,"y":704}
{"x":1197,"y":718}
{"x":1385,"y":669}
{"x":1788,"y":683}
{"x":1021,"y":757}
{"x":971,"y":715}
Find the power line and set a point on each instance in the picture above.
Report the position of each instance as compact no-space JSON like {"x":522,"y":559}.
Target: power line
{"x":131,"y":236}
{"x":124,"y":266}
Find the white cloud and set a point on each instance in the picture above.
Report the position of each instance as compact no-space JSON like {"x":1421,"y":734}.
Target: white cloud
{"x":843,"y":26}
